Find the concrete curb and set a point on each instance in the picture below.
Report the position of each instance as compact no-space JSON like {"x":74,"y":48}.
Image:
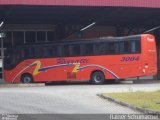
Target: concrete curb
{"x":146,"y":81}
{"x":22,"y":85}
{"x":139,"y":109}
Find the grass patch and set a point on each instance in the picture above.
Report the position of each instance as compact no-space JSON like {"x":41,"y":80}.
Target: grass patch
{"x":147,"y":100}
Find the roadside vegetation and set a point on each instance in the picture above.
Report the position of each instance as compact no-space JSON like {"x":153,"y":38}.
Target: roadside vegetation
{"x":147,"y":100}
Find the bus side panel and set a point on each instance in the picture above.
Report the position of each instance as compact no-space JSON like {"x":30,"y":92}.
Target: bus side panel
{"x":111,"y":66}
{"x":48,"y":71}
{"x":125,"y":66}
{"x":105,"y":64}
{"x":14,"y":75}
{"x":150,"y":55}
{"x":80,"y":68}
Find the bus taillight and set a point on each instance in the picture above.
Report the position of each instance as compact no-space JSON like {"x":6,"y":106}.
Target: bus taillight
{"x":146,"y":65}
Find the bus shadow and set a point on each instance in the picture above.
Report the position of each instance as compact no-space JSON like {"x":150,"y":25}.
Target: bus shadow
{"x":80,"y":83}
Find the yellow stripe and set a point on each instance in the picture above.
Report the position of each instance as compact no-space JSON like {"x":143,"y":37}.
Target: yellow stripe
{"x":75,"y":70}
{"x":38,"y":63}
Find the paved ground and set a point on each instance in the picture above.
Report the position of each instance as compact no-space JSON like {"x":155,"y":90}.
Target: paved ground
{"x":66,"y":99}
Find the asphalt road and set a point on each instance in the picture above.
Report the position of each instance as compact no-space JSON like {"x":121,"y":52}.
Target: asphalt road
{"x":66,"y":99}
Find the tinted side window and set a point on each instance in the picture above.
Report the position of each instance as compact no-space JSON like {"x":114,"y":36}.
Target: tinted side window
{"x":75,"y":50}
{"x":124,"y":47}
{"x":27,"y":52}
{"x":111,"y":48}
{"x":127,"y":46}
{"x":12,"y":58}
{"x":7,"y":58}
{"x":46,"y":52}
{"x":121,"y":47}
{"x":135,"y":46}
{"x":132,"y":46}
{"x":87,"y":49}
{"x":32,"y":52}
{"x":15,"y":56}
{"x":138,"y":46}
{"x":22,"y":55}
{"x":41,"y":52}
{"x":38,"y":52}
{"x":53,"y":51}
{"x":65,"y":50}
{"x":116,"y":47}
{"x":101,"y":48}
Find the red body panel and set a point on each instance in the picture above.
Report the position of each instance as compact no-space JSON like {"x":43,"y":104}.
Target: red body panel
{"x":149,"y":53}
{"x":80,"y":68}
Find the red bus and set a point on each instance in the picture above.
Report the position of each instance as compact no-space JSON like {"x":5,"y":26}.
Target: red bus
{"x":97,"y":60}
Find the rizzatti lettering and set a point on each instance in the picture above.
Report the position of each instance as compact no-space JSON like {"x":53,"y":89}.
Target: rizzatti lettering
{"x":66,"y":61}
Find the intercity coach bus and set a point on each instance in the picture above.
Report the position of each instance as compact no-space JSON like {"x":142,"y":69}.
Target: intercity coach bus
{"x":95,"y":60}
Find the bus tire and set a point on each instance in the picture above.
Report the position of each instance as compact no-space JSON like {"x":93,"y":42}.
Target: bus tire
{"x":97,"y":78}
{"x":27,"y":78}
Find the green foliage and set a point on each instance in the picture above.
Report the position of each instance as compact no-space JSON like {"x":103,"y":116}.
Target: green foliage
{"x":147,"y":100}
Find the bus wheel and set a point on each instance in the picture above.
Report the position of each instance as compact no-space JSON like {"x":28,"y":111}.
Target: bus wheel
{"x":26,"y":78}
{"x":97,"y":78}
